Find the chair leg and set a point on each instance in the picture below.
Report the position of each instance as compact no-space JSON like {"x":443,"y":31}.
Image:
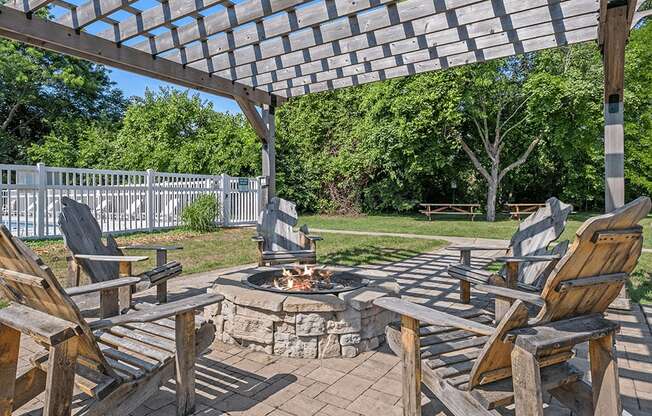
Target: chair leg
{"x":465,"y":287}
{"x":109,"y":303}
{"x":9,"y":346}
{"x":526,"y":379}
{"x":185,"y":363}
{"x":604,"y":376}
{"x":162,"y":292}
{"x":411,"y":357}
{"x":60,"y":379}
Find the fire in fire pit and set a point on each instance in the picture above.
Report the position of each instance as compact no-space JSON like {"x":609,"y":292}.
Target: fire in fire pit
{"x":305,"y":280}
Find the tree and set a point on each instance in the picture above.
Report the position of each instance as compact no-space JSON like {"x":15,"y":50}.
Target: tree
{"x":38,"y":88}
{"x":493,"y":103}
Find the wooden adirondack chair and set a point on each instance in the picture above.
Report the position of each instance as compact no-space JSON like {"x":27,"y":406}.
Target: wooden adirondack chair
{"x":101,"y":262}
{"x":116,"y":363}
{"x":474,"y":368}
{"x":278,"y":242}
{"x":528,"y":261}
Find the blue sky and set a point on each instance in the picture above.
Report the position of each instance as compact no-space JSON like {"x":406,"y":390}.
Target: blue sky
{"x":135,"y":85}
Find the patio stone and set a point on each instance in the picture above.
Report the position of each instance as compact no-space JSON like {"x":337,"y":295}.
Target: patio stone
{"x":329,"y":346}
{"x":290,"y":345}
{"x":311,"y":324}
{"x":301,"y":405}
{"x":313,"y":303}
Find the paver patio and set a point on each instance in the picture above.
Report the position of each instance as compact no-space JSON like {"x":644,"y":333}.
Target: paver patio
{"x":235,"y":381}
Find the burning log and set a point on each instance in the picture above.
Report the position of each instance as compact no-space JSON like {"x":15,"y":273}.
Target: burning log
{"x":306,"y":278}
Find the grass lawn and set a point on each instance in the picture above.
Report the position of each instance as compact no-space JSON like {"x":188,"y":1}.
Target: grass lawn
{"x":232,"y":247}
{"x":456,"y":227}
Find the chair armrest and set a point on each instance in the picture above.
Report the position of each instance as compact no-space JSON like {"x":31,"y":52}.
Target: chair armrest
{"x":161,"y":311}
{"x":432,"y":316}
{"x":528,"y":259}
{"x":150,"y":247}
{"x":516,"y":294}
{"x":475,"y":248}
{"x":109,"y":284}
{"x":314,"y":237}
{"x":114,"y":259}
{"x":41,"y":326}
{"x":470,"y":274}
{"x":258,"y":238}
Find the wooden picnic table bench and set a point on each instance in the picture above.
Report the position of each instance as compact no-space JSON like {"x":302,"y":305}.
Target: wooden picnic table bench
{"x":450,"y":209}
{"x":516,"y":210}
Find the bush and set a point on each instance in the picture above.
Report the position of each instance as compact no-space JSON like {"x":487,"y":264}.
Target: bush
{"x":201,"y":215}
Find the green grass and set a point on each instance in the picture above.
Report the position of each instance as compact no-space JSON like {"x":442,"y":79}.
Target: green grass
{"x":230,"y":247}
{"x":640,"y":284}
{"x":456,"y":227}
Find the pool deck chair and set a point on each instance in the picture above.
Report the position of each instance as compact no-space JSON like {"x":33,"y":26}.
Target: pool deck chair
{"x":116,"y":363}
{"x":475,"y":368}
{"x":102,"y":262}
{"x":277,"y":240}
{"x":528,"y":259}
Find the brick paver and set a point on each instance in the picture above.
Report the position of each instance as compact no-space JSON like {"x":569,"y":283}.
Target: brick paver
{"x":235,"y":381}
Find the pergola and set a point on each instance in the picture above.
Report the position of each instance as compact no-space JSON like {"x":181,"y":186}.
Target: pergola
{"x":263,"y":52}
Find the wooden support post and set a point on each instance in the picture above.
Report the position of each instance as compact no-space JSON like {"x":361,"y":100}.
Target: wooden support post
{"x":60,"y":378}
{"x":615,"y":30}
{"x":411,"y":357}
{"x":502,"y":303}
{"x":465,"y":287}
{"x":269,"y":152}
{"x":604,"y":376}
{"x":185,"y":363}
{"x":526,"y":378}
{"x":126,"y":291}
{"x":161,"y":288}
{"x":9,"y":346}
{"x":74,"y":271}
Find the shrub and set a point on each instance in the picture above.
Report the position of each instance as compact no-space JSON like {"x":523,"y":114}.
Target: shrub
{"x":201,"y":215}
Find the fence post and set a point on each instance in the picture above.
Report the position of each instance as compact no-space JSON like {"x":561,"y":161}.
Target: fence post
{"x":150,"y":200}
{"x":224,"y":199}
{"x":261,"y":197}
{"x":41,"y":202}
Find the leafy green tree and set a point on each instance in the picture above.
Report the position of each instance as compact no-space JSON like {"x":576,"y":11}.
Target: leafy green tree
{"x":40,"y":89}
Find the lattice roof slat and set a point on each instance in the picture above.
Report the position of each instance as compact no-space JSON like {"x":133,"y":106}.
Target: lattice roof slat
{"x":265,"y":50}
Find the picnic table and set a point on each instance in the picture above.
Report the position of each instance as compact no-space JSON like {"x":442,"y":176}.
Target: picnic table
{"x":516,"y":210}
{"x":450,"y":209}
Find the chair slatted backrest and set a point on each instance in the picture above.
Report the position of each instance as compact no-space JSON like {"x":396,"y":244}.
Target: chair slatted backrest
{"x":276,"y":226}
{"x":533,"y":237}
{"x":83,"y":235}
{"x":606,"y":245}
{"x":43,"y":293}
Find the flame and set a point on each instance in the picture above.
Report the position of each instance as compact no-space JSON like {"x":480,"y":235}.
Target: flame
{"x":306,"y":278}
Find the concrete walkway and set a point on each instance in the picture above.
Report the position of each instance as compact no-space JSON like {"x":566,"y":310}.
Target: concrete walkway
{"x":235,"y":381}
{"x":452,"y":240}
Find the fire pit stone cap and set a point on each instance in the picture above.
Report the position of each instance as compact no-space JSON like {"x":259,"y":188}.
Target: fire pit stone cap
{"x":313,"y":303}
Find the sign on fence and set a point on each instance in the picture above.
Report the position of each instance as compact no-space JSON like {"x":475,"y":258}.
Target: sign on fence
{"x":122,"y":201}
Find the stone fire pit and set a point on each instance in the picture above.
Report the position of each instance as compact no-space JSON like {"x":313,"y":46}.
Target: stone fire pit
{"x":303,"y":325}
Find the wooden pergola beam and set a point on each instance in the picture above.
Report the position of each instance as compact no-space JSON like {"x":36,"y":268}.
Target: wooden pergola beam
{"x":388,"y":25}
{"x":275,"y":31}
{"x":437,"y":45}
{"x":28,"y":6}
{"x":255,"y":119}
{"x":49,"y":35}
{"x":224,"y":20}
{"x":638,"y":16}
{"x":160,"y":15}
{"x":91,"y":12}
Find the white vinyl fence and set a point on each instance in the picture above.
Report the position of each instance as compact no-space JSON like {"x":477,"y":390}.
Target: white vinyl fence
{"x":122,"y":201}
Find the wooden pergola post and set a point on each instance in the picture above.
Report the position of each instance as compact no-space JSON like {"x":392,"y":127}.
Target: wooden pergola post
{"x":269,"y":151}
{"x":615,"y":30}
{"x":265,"y":127}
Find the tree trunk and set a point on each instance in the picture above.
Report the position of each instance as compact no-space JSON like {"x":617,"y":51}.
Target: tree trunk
{"x":491,"y":200}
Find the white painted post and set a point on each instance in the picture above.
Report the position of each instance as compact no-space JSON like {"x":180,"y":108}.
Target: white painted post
{"x":41,"y":200}
{"x":224,"y":200}
{"x":261,"y":197}
{"x":150,"y":199}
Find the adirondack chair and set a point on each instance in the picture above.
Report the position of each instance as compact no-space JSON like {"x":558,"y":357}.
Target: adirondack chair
{"x":101,"y":262}
{"x":530,"y":242}
{"x":474,"y":368}
{"x":277,"y":241}
{"x":116,"y":363}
